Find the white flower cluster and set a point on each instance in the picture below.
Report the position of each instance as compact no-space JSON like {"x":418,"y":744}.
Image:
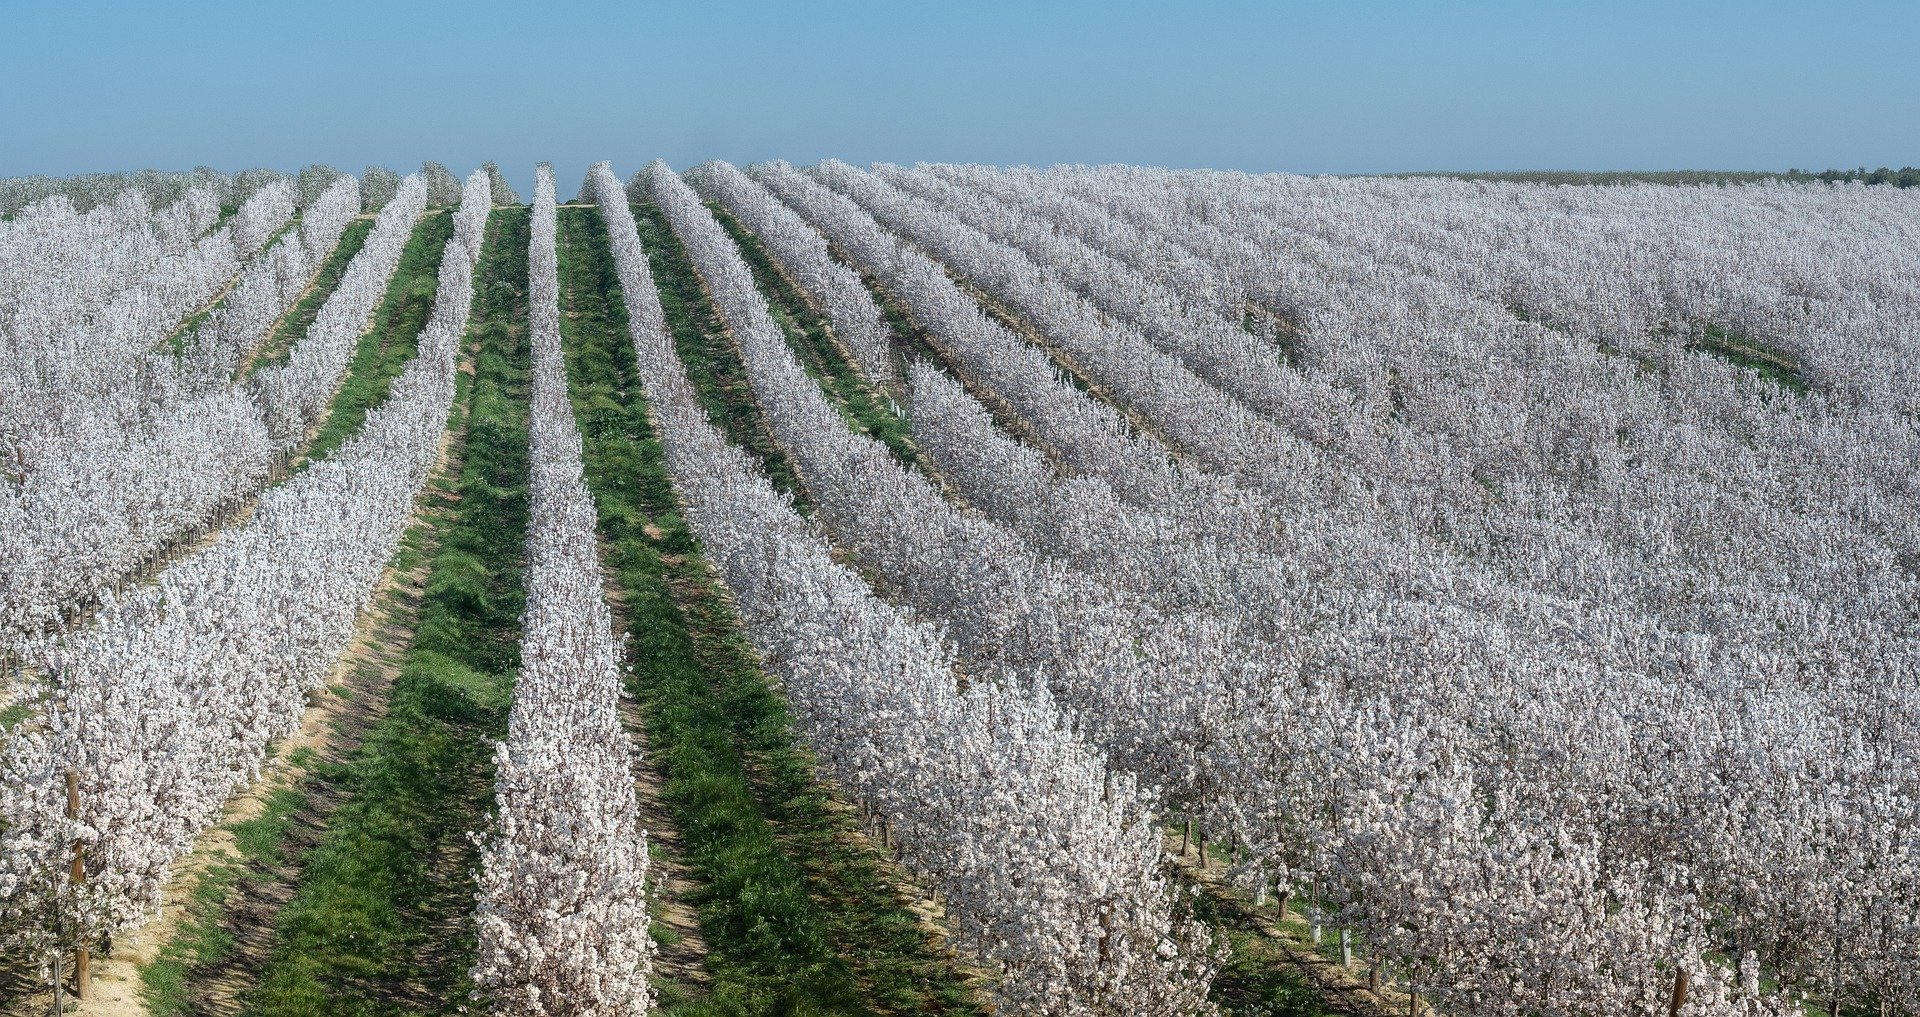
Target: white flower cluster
{"x":63,"y":266}
{"x":1211,"y":427}
{"x":108,"y":305}
{"x":1744,"y":552}
{"x":109,"y":459}
{"x":165,"y":704}
{"x":563,"y":926}
{"x":1047,"y":861}
{"x":1455,"y":769}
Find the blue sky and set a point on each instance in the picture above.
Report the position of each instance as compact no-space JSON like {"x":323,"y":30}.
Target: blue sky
{"x":1295,"y":86}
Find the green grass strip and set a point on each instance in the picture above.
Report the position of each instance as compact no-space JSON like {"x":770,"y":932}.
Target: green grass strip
{"x":700,"y":338}
{"x":385,"y":349}
{"x":1776,"y":366}
{"x":796,"y":910}
{"x":280,"y":340}
{"x":864,"y":408}
{"x":202,"y":940}
{"x":176,"y":343}
{"x":1258,"y":980}
{"x":380,"y":923}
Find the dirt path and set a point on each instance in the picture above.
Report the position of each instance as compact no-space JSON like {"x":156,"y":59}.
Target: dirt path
{"x":682,"y":959}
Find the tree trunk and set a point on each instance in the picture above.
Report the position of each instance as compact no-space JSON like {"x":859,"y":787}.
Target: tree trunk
{"x":1346,"y":948}
{"x":1284,"y":895}
{"x":1186,"y":834}
{"x":1203,"y":849}
{"x":1373,"y":974}
{"x":82,"y":962}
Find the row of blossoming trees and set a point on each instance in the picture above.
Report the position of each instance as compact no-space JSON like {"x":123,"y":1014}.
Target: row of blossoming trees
{"x":563,"y":923}
{"x":134,"y":402}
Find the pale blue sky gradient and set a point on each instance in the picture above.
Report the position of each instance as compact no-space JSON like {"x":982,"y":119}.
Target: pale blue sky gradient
{"x":1298,"y":86}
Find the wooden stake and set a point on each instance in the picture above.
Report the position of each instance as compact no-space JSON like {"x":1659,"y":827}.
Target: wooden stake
{"x":1679,"y":992}
{"x":82,"y":961}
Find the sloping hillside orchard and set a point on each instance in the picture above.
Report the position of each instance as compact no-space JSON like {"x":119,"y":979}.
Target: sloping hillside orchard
{"x":1076,"y":592}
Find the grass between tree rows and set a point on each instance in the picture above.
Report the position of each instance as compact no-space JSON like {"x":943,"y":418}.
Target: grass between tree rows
{"x":1777,"y":366}
{"x":865,"y":408}
{"x":204,"y":942}
{"x":385,"y":349}
{"x":380,"y":921}
{"x":701,"y":342}
{"x":294,"y":324}
{"x":799,"y":913}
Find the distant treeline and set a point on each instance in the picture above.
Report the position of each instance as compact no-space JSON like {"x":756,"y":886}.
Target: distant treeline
{"x":1906,"y":176}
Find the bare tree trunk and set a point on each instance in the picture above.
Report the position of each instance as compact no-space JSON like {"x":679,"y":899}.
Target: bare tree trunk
{"x":1373,"y":974}
{"x":1186,"y":834}
{"x":1833,"y":1004}
{"x":82,"y":961}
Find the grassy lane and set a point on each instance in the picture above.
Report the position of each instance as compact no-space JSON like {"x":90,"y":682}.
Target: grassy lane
{"x":700,"y":339}
{"x":176,"y":343}
{"x":1774,"y":365}
{"x":394,"y":338}
{"x":217,"y":950}
{"x":281,"y":338}
{"x":800,"y":913}
{"x":865,"y":408}
{"x":380,"y":922}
